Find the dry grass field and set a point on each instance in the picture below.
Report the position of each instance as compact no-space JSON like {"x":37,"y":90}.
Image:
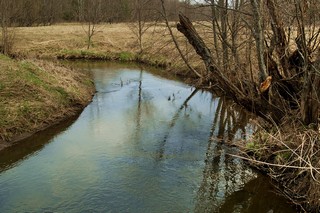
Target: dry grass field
{"x":50,"y":40}
{"x":115,"y":41}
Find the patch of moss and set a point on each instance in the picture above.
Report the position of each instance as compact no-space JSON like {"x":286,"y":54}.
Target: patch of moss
{"x":24,"y":109}
{"x":62,"y":95}
{"x":61,"y":91}
{"x":126,"y":56}
{"x":250,"y":145}
{"x":4,"y":57}
{"x":254,"y":148}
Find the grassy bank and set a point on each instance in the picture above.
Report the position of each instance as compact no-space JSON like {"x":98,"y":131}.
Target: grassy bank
{"x":35,"y":94}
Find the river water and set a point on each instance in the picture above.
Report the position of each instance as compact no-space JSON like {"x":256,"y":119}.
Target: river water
{"x":146,"y":143}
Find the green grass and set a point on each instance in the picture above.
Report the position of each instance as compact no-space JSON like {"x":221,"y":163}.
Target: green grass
{"x":84,"y":54}
{"x":126,"y":56}
{"x":35,"y":93}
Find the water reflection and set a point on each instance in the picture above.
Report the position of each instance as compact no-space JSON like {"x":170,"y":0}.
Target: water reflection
{"x":228,"y":185}
{"x":223,"y":175}
{"x":145,"y":144}
{"x":172,"y":123}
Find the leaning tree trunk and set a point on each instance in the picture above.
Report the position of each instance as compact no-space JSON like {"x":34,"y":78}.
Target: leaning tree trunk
{"x":255,"y":104}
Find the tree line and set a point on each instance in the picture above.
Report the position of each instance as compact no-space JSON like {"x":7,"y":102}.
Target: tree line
{"x":46,"y":12}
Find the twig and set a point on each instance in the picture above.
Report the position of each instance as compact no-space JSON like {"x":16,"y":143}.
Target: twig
{"x":272,"y":164}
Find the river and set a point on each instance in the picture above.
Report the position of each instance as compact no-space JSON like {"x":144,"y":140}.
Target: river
{"x":146,"y":143}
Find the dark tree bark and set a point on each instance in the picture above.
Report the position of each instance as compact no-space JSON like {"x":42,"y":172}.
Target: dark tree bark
{"x":259,"y":37}
{"x":310,"y":101}
{"x":280,"y":43}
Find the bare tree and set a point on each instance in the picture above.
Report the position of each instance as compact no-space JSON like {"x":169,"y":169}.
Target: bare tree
{"x":259,"y":37}
{"x":7,"y":35}
{"x":164,"y":15}
{"x":90,"y":14}
{"x":144,"y":14}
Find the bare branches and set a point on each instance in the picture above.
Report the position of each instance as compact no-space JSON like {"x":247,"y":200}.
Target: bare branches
{"x":295,"y":161}
{"x":143,"y":11}
{"x":164,"y":14}
{"x":90,"y":14}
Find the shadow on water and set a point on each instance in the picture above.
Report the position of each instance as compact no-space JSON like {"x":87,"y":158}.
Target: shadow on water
{"x":11,"y":156}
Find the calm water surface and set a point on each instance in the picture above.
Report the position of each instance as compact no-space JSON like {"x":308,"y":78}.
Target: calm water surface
{"x":145,"y":144}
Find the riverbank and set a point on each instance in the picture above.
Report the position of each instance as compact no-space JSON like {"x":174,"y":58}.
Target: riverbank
{"x":36,"y":94}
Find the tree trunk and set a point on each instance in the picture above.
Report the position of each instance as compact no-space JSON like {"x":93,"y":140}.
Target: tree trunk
{"x":214,"y":31}
{"x":310,"y":99}
{"x":279,"y":38}
{"x":224,"y":32}
{"x":258,"y":35}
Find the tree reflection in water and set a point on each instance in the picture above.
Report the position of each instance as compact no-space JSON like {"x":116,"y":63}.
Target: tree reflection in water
{"x":172,"y":123}
{"x":227,"y":184}
{"x":222,"y":175}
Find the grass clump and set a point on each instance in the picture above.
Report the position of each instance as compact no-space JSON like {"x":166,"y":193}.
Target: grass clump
{"x":83,"y":55}
{"x":126,"y":56}
{"x":34,"y":94}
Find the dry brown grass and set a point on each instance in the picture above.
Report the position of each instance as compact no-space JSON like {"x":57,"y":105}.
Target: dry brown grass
{"x":290,"y":155}
{"x":111,"y":40}
{"x":49,"y":40}
{"x":35,"y":94}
